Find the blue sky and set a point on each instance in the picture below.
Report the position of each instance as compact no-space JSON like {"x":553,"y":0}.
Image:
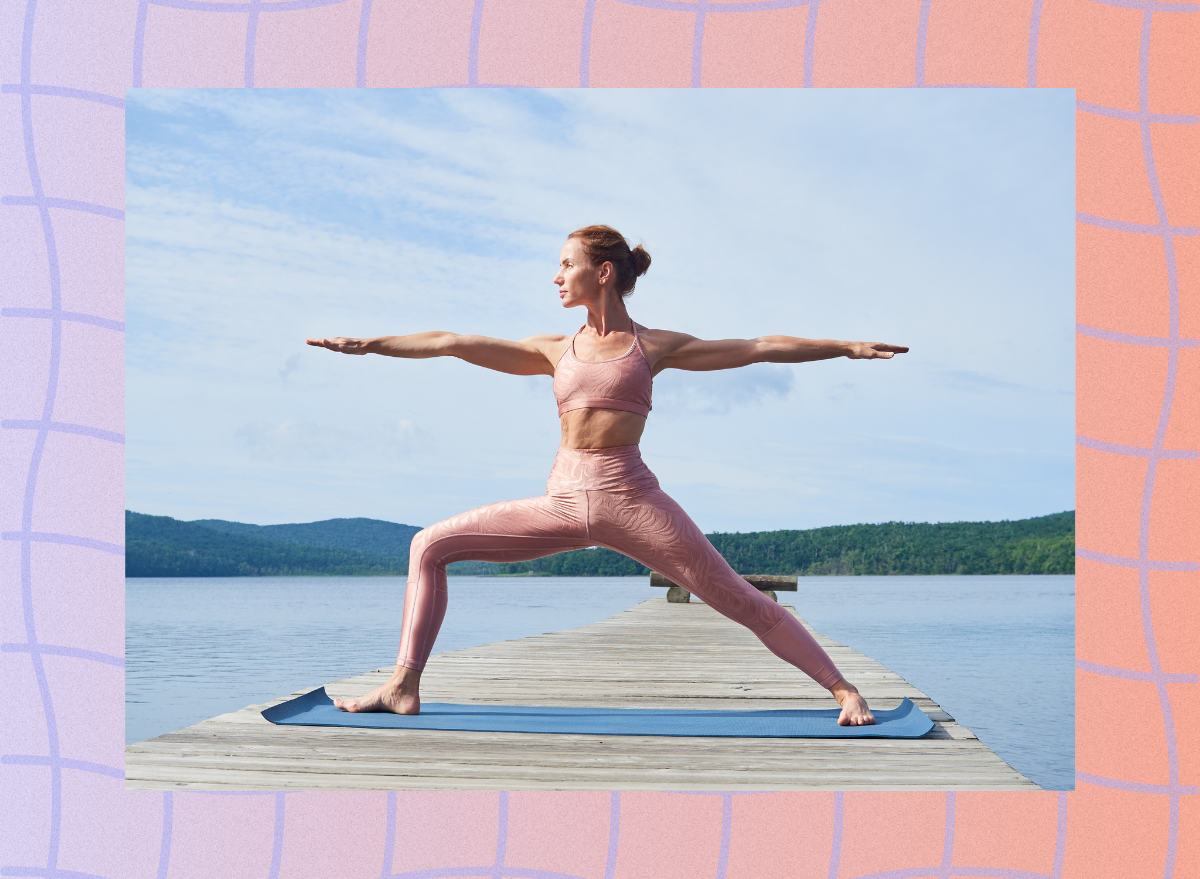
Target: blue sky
{"x":938,"y":219}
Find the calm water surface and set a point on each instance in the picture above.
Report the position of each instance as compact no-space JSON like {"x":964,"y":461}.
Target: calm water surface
{"x":996,"y":652}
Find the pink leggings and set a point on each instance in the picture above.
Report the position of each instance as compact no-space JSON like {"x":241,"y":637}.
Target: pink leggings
{"x":597,"y":497}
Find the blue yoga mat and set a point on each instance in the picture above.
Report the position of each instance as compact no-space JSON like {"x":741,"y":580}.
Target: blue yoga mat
{"x":316,"y":709}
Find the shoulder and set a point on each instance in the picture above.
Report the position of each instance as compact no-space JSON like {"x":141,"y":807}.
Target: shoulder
{"x":551,"y":345}
{"x":661,"y":343}
{"x":548,"y":342}
{"x":546,"y":339}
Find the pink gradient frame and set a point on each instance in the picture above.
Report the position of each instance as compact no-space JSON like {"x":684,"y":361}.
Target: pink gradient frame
{"x":63,"y":72}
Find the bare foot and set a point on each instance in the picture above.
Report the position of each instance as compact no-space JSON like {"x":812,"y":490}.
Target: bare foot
{"x":400,"y":695}
{"x":854,"y":707}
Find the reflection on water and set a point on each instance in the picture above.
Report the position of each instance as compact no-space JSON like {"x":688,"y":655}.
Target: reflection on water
{"x":995,"y":652}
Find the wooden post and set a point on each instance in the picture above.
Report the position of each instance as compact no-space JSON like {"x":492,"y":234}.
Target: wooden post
{"x":764,"y":583}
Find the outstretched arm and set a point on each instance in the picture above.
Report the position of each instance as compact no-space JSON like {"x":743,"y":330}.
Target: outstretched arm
{"x":681,"y":351}
{"x":526,"y":357}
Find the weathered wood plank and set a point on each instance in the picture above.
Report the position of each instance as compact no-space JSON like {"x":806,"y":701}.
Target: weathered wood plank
{"x":654,"y":655}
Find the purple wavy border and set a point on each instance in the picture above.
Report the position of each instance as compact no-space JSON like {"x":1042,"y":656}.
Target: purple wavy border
{"x":498,"y":869}
{"x":697,"y":8}
{"x":54,"y":759}
{"x":42,"y":427}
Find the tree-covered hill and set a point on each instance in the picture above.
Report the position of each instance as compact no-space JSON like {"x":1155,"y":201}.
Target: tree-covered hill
{"x":1042,"y":545}
{"x":370,"y":536}
{"x":159,"y":546}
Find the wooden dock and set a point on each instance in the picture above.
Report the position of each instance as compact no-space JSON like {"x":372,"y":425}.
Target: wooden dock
{"x":654,"y":655}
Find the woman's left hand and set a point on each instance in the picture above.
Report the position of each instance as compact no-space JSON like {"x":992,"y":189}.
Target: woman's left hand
{"x":870,"y":350}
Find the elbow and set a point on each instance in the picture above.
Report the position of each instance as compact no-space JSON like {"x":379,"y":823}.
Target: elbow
{"x":444,"y":344}
{"x":766,"y":350}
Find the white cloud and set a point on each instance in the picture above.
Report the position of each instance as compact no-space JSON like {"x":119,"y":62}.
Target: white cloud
{"x":255,"y":219}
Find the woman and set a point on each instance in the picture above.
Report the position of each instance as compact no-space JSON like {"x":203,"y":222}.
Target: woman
{"x":599,"y":492}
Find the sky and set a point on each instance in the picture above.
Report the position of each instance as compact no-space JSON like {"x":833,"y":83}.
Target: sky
{"x":938,"y":219}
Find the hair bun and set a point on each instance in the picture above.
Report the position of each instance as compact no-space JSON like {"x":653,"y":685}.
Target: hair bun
{"x":641,"y":261}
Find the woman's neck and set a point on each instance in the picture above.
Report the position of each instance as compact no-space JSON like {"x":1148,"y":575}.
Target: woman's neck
{"x":609,"y":317}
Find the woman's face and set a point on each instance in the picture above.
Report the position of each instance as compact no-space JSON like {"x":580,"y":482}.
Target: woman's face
{"x":578,"y":280}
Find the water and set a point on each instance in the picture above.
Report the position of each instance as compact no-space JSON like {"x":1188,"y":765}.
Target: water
{"x":996,"y":652}
{"x":196,"y":647}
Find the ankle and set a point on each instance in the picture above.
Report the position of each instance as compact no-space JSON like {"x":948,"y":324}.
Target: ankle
{"x":843,"y":688}
{"x":405,"y":679}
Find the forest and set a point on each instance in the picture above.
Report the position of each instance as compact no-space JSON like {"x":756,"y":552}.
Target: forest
{"x":159,"y":546}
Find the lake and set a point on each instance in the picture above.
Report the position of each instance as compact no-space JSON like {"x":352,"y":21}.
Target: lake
{"x":997,"y":652}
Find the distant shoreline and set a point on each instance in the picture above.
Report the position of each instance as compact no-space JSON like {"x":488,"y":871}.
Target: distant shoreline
{"x":160,"y":546}
{"x":453,"y":575}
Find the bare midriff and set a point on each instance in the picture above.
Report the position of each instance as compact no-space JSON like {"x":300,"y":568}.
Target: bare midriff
{"x":600,"y":428}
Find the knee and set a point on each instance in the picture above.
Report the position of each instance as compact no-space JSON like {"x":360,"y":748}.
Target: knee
{"x":423,"y":549}
{"x":419,"y":542}
{"x":770,"y":612}
{"x":751,"y":608}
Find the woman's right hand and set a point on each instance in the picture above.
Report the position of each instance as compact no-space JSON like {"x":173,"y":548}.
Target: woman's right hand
{"x":530,"y":356}
{"x":341,"y":344}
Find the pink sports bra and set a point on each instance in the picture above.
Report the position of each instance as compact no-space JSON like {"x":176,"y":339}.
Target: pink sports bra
{"x":620,"y":383}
